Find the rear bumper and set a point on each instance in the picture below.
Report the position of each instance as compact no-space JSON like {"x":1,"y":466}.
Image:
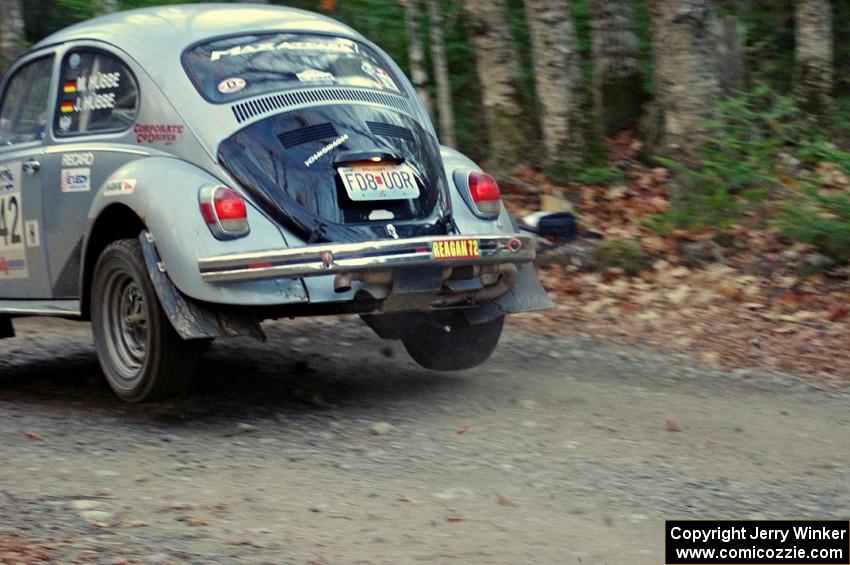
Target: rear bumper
{"x":383,"y":255}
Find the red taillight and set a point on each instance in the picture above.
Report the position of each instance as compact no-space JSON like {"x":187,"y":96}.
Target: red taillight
{"x":230,"y":210}
{"x":224,"y":211}
{"x":485,"y":193}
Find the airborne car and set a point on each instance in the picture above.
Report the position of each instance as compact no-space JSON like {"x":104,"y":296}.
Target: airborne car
{"x":182,"y":173}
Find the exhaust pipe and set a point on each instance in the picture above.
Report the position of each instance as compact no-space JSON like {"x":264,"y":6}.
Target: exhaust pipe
{"x":343,"y":281}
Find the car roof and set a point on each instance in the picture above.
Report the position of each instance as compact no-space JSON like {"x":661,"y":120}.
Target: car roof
{"x":147,"y":33}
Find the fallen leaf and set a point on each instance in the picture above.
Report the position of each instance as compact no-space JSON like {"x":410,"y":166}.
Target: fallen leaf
{"x":453,"y":518}
{"x":34,"y":436}
{"x":839,"y":313}
{"x":504,"y":501}
{"x":196,"y":522}
{"x":463,"y":429}
{"x":673,"y":425}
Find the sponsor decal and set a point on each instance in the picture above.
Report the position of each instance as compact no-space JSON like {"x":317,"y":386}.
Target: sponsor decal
{"x":65,"y":123}
{"x":98,"y":81}
{"x":325,"y":150}
{"x":76,"y":180}
{"x":337,"y":46}
{"x":232,"y":85}
{"x":77,"y":159}
{"x":32,"y":233}
{"x":315,"y":75}
{"x":158,"y":133}
{"x":13,"y":268}
{"x":119,"y":187}
{"x":456,"y":249}
{"x":381,"y":76}
{"x":13,"y":258}
{"x":89,"y":86}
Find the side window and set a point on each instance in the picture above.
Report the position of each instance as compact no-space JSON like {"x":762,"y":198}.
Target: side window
{"x":23,"y":114}
{"x":97,"y":94}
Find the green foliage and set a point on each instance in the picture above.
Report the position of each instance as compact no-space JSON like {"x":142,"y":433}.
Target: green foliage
{"x":820,"y":219}
{"x":618,"y":254}
{"x":601,"y":175}
{"x":736,"y":164}
{"x":761,"y":164}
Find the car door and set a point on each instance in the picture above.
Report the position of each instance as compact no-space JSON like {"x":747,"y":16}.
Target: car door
{"x":91,"y":137}
{"x":24,"y":115}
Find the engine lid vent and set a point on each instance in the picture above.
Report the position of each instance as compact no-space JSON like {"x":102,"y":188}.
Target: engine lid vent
{"x":389,"y":130}
{"x":244,"y":111}
{"x":307,"y":134}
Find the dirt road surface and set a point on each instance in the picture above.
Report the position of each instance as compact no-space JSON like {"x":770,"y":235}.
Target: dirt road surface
{"x":328,"y":446}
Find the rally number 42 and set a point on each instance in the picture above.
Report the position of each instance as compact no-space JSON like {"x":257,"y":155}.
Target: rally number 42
{"x":10,"y":221}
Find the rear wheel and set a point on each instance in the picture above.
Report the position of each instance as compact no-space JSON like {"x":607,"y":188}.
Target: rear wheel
{"x":141,"y":354}
{"x":448,"y":342}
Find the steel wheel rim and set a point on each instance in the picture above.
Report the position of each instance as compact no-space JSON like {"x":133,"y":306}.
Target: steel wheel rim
{"x":126,"y":324}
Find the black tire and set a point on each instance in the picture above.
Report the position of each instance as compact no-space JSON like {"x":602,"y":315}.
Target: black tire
{"x":142,"y":356}
{"x":448,"y":342}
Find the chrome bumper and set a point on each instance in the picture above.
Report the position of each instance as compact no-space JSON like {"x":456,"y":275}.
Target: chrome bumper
{"x":384,"y":255}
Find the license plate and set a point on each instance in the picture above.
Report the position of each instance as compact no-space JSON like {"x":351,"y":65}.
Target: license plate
{"x":379,"y":182}
{"x":455,"y":249}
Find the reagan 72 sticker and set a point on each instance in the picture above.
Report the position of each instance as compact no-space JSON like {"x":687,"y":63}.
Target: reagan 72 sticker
{"x":13,"y":259}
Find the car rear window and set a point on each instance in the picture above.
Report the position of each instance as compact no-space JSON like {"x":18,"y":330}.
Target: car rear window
{"x":230,"y":69}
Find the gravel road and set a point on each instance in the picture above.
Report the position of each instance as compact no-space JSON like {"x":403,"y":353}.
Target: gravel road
{"x":328,"y":446}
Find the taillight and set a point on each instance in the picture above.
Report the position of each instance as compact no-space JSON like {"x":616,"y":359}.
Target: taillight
{"x":224,"y":212}
{"x":481,"y":192}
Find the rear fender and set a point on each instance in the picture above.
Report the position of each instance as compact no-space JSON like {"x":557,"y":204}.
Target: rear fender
{"x":163,"y":193}
{"x":527,"y":295}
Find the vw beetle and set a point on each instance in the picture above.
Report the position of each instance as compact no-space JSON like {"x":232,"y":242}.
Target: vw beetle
{"x":182,"y":173}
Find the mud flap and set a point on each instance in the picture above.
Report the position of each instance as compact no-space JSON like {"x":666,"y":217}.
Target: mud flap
{"x":192,"y":319}
{"x":6,"y":329}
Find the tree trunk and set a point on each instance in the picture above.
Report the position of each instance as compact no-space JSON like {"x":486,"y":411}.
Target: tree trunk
{"x":498,"y":71}
{"x":618,"y":87}
{"x":731,"y":56}
{"x":686,"y":81}
{"x":560,"y":84}
{"x":441,"y":74}
{"x":11,"y":31}
{"x":813,"y":72}
{"x":105,"y":7}
{"x":415,"y":51}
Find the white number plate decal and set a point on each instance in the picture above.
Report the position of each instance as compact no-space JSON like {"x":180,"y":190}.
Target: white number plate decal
{"x":13,"y":255}
{"x":380,"y":182}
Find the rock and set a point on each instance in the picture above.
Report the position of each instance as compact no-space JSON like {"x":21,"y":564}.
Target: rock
{"x":381,"y":428}
{"x":246,"y":428}
{"x":673,"y":425}
{"x":83,"y":505}
{"x":99,"y":516}
{"x":528,"y":404}
{"x":819,"y":261}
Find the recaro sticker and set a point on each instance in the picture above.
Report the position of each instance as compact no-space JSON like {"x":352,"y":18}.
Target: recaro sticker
{"x":77,"y":159}
{"x":13,"y":254}
{"x":76,"y":180}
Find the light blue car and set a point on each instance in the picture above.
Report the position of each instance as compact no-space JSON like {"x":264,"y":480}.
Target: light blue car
{"x":182,"y":173}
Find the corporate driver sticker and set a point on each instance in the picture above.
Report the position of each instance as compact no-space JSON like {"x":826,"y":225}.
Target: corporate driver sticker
{"x":13,"y":254}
